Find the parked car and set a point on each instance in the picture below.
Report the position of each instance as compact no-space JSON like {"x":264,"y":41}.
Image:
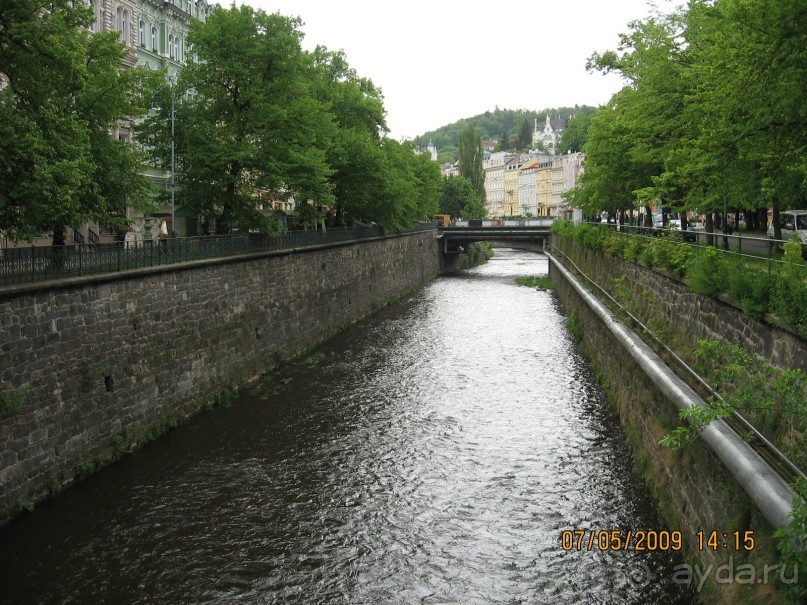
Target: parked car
{"x":792,"y":222}
{"x":673,"y":223}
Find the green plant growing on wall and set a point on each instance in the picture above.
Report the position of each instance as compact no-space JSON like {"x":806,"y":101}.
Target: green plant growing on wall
{"x":122,"y":441}
{"x":748,"y":384}
{"x":574,"y":326}
{"x":90,"y":374}
{"x":13,"y":400}
{"x":706,"y":274}
{"x":766,"y":396}
{"x":624,"y":297}
{"x":634,"y":248}
{"x":669,"y":252}
{"x":792,"y":545}
{"x":750,"y":289}
{"x":789,"y":295}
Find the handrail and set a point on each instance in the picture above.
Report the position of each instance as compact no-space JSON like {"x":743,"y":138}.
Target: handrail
{"x":766,"y":488}
{"x":37,"y":263}
{"x":689,"y":370}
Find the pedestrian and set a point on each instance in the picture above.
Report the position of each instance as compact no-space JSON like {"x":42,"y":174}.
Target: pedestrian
{"x":163,"y":235}
{"x":130,"y":239}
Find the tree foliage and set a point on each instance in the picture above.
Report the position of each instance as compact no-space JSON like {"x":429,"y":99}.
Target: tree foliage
{"x":460,"y":200}
{"x":713,"y":114}
{"x":258,"y":117}
{"x":500,"y":125}
{"x":471,"y":157}
{"x":64,"y":94}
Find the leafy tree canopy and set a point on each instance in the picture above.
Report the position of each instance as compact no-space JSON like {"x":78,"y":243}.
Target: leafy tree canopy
{"x":64,"y":92}
{"x":471,"y":161}
{"x":714,"y":113}
{"x":460,"y":200}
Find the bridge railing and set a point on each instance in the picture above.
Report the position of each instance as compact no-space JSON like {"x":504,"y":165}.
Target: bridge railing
{"x":497,"y":223}
{"x":37,"y":263}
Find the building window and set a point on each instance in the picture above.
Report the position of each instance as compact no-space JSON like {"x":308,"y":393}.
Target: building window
{"x":119,"y":19}
{"x":142,"y":32}
{"x":154,"y":39}
{"x":176,"y":49}
{"x":171,"y":46}
{"x":91,"y":6}
{"x":125,"y":30}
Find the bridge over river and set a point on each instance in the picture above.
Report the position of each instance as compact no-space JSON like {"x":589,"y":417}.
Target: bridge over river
{"x":463,"y":233}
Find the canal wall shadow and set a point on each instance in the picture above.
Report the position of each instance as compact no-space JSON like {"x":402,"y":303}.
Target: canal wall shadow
{"x":93,"y":367}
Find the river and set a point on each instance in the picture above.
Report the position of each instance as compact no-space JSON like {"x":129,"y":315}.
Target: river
{"x":433,"y":453}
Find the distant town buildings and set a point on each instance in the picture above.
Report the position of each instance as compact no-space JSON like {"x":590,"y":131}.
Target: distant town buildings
{"x":529,"y":184}
{"x":548,"y":137}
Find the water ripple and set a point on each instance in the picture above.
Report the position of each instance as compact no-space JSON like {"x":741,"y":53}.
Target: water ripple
{"x":432,"y":454}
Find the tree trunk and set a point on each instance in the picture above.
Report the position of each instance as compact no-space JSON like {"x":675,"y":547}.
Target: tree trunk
{"x":709,"y":226}
{"x":59,"y":235}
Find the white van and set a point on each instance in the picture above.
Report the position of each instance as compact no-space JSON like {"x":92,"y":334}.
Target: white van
{"x":792,"y":221}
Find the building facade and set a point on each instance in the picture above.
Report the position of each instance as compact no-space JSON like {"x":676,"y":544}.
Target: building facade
{"x":511,"y":173}
{"x":494,"y":164}
{"x":548,"y":137}
{"x":161,"y":43}
{"x":527,"y":192}
{"x":543,"y":185}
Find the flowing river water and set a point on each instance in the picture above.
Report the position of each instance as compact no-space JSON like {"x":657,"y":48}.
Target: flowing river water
{"x":433,"y":453}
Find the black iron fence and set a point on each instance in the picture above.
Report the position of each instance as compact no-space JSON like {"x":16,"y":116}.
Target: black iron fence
{"x":23,"y":265}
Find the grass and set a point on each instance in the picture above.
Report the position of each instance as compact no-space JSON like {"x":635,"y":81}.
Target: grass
{"x":540,"y":282}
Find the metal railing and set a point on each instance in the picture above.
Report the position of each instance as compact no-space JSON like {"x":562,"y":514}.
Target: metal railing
{"x":750,"y":246}
{"x":37,"y":263}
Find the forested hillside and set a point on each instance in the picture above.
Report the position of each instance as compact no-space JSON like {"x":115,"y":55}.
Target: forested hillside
{"x":510,"y":128}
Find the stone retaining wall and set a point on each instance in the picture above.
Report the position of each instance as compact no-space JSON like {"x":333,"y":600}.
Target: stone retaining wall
{"x":694,"y":489}
{"x":89,"y":366}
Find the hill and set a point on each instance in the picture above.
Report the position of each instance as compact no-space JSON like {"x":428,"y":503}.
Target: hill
{"x":495,"y":125}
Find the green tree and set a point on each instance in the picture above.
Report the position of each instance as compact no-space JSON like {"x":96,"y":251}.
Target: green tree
{"x":460,"y":200}
{"x":248,"y":120}
{"x":574,"y":138}
{"x":409,"y":188}
{"x":614,"y":169}
{"x":64,"y":92}
{"x":525,"y":129}
{"x":504,"y":141}
{"x":471,"y":155}
{"x":354,"y":149}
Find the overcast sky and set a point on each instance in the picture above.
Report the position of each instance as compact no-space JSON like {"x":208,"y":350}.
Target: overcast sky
{"x":437,"y":61}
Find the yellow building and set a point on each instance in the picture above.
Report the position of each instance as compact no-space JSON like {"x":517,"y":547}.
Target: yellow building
{"x":543,"y":186}
{"x":511,"y":173}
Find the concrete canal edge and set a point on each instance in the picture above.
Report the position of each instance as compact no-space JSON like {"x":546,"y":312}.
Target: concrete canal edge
{"x":100,"y":364}
{"x":716,"y":484}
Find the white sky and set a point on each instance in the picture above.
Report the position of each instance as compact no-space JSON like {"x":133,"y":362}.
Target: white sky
{"x":437,"y":61}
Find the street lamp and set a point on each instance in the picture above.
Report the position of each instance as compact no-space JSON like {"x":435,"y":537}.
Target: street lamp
{"x":172,"y":80}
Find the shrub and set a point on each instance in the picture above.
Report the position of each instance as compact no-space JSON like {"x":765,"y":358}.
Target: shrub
{"x":615,"y":244}
{"x":671,"y":253}
{"x":706,"y":272}
{"x":633,"y":249}
{"x":750,"y":289}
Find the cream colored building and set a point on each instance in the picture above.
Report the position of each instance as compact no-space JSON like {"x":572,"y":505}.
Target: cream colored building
{"x":494,"y":165}
{"x":527,"y":188}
